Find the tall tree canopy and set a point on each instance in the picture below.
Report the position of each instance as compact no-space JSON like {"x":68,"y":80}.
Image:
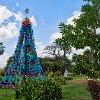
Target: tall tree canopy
{"x":84,"y":33}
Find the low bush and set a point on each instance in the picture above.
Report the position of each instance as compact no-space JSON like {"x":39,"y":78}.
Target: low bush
{"x":0,"y":77}
{"x":94,"y":88}
{"x":57,"y":73}
{"x":59,"y":80}
{"x":69,"y":78}
{"x":39,"y":90}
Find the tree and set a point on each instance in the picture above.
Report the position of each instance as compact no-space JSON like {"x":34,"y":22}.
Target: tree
{"x":50,"y":64}
{"x":7,"y":65}
{"x":53,"y":50}
{"x":83,"y":34}
{"x":86,"y":34}
{"x":1,"y":48}
{"x":83,"y":65}
{"x":63,"y":42}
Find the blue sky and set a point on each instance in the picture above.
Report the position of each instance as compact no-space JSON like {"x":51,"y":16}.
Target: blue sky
{"x":46,"y":14}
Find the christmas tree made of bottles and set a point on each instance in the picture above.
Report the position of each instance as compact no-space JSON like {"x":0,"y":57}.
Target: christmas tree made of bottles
{"x":24,"y":61}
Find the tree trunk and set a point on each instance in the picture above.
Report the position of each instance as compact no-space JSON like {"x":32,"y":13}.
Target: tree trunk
{"x":92,"y":49}
{"x":66,"y":71}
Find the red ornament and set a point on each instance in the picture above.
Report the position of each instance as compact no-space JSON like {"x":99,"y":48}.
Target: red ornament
{"x":33,"y":40}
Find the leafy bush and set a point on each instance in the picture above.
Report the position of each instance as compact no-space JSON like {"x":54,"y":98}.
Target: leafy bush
{"x":57,"y":73}
{"x":49,"y":75}
{"x":68,"y":78}
{"x":2,"y":73}
{"x":94,"y":88}
{"x":39,"y":90}
{"x":59,"y":80}
{"x":0,"y":77}
{"x":73,"y":74}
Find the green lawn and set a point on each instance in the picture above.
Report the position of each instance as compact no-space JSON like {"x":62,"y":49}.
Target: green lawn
{"x":73,"y":90}
{"x":7,"y":94}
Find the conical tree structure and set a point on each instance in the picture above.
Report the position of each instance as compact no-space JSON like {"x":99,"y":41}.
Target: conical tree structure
{"x":24,"y":60}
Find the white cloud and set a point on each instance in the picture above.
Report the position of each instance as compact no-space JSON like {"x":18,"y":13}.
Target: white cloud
{"x":18,"y":16}
{"x":4,"y":14}
{"x":69,"y":21}
{"x":8,"y":31}
{"x":54,"y":36}
{"x":17,"y":4}
{"x":3,"y":60}
{"x":40,"y":49}
{"x":11,"y":29}
{"x":33,"y":20}
{"x":76,"y":15}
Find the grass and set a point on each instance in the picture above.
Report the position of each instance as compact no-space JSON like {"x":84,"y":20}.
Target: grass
{"x":73,"y":90}
{"x":7,"y":94}
{"x":76,"y":89}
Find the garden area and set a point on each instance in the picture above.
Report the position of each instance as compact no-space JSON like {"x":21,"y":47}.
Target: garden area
{"x":75,"y":89}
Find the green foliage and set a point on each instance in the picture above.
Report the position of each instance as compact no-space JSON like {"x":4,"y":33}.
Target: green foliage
{"x":39,"y":90}
{"x":63,"y":42}
{"x":8,"y":63}
{"x":6,"y":67}
{"x":69,"y":78}
{"x":56,"y":77}
{"x":85,"y":66}
{"x":50,"y":64}
{"x":75,"y":91}
{"x":1,"y":77}
{"x":58,"y":73}
{"x":2,"y":73}
{"x":94,"y":88}
{"x":1,"y":48}
{"x":81,"y":35}
{"x":60,"y":80}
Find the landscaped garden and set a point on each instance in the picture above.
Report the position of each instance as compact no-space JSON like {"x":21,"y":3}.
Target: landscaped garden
{"x":56,"y":76}
{"x":73,"y":90}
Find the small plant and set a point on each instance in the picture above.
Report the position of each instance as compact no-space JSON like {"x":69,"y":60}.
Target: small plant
{"x":0,"y":77}
{"x":94,"y":88}
{"x":59,"y":80}
{"x":57,"y":73}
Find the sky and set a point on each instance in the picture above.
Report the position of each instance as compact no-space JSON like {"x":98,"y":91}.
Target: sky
{"x":45,"y":15}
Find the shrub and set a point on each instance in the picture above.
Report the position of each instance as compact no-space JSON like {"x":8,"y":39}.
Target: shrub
{"x":94,"y":88}
{"x":68,"y":78}
{"x":59,"y":80}
{"x":39,"y":90}
{"x":49,"y":74}
{"x":57,"y":73}
{"x":0,"y":77}
{"x":2,"y":73}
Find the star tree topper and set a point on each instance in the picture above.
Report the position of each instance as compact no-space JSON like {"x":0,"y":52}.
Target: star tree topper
{"x":26,"y":12}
